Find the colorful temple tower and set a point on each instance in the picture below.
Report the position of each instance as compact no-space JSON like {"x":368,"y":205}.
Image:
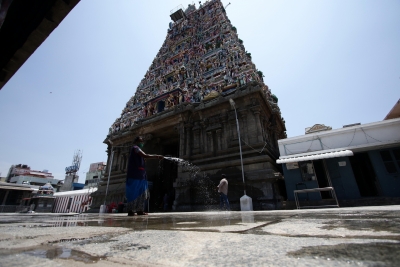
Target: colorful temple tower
{"x":182,"y":108}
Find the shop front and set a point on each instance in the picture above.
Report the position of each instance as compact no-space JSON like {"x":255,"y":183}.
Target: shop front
{"x":358,"y":162}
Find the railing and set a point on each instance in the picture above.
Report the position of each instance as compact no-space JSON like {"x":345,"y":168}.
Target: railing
{"x":311,"y":190}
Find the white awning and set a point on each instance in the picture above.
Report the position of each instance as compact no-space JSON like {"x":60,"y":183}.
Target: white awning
{"x":17,"y":188}
{"x":315,"y":156}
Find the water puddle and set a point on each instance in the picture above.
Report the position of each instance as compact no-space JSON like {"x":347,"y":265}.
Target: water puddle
{"x":376,"y":252}
{"x":375,"y":225}
{"x":152,"y":222}
{"x":371,"y":221}
{"x":169,"y":222}
{"x":49,"y":252}
{"x":221,"y":221}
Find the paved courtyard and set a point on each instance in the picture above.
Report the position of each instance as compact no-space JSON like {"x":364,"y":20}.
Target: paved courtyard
{"x":362,"y":236}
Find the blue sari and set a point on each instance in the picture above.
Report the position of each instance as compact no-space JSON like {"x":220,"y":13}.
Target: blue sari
{"x":137,"y":189}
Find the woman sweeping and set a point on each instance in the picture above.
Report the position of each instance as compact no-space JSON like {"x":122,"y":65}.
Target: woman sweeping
{"x":137,"y":190}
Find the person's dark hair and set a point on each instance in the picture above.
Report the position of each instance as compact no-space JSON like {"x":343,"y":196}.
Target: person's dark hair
{"x":223,"y":175}
{"x":137,"y":139}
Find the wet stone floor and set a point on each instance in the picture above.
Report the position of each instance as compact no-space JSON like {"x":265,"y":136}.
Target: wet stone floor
{"x":362,"y":236}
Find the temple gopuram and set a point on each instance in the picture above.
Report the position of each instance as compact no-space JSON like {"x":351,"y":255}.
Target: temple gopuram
{"x":182,"y":109}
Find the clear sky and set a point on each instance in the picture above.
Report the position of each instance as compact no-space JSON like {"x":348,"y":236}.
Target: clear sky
{"x":332,"y":62}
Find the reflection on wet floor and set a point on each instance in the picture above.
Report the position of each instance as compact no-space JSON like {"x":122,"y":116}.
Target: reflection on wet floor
{"x":153,"y":222}
{"x":168,"y":222}
{"x":376,"y":252}
{"x":366,"y":224}
{"x":50,"y":252}
{"x":375,"y":221}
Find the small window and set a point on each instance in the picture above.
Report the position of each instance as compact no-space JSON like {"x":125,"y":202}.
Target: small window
{"x":388,"y":161}
{"x":307,"y":171}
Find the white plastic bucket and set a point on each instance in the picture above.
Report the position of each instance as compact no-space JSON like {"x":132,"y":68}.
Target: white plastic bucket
{"x":246,"y":203}
{"x":102,"y":209}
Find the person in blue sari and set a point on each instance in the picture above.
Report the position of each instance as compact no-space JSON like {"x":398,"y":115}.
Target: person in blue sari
{"x":137,"y":190}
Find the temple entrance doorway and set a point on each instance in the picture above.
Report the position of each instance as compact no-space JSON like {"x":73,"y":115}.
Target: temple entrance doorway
{"x":162,"y":194}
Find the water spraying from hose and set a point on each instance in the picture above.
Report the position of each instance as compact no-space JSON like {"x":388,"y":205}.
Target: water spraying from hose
{"x":186,"y":165}
{"x":203,"y":187}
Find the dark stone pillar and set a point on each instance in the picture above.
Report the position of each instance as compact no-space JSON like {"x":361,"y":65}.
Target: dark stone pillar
{"x":225,"y":132}
{"x":256,"y":112}
{"x":188,"y":131}
{"x":182,"y":144}
{"x":244,"y":134}
{"x":219,"y":139}
{"x":196,"y":140}
{"x":203,"y":136}
{"x":210,"y":143}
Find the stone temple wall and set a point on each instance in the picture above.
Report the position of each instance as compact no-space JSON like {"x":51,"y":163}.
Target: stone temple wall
{"x":182,"y":108}
{"x":209,"y":140}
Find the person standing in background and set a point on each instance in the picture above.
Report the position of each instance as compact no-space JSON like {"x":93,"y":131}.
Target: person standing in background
{"x":223,"y":193}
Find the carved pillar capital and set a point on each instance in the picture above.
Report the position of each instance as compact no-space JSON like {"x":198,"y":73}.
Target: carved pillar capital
{"x":256,"y":110}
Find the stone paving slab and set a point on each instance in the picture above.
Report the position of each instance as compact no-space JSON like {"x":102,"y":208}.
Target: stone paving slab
{"x":362,"y":236}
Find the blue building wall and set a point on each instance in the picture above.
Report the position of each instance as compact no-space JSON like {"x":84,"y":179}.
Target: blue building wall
{"x":293,"y":177}
{"x":388,"y":183}
{"x":342,"y":179}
